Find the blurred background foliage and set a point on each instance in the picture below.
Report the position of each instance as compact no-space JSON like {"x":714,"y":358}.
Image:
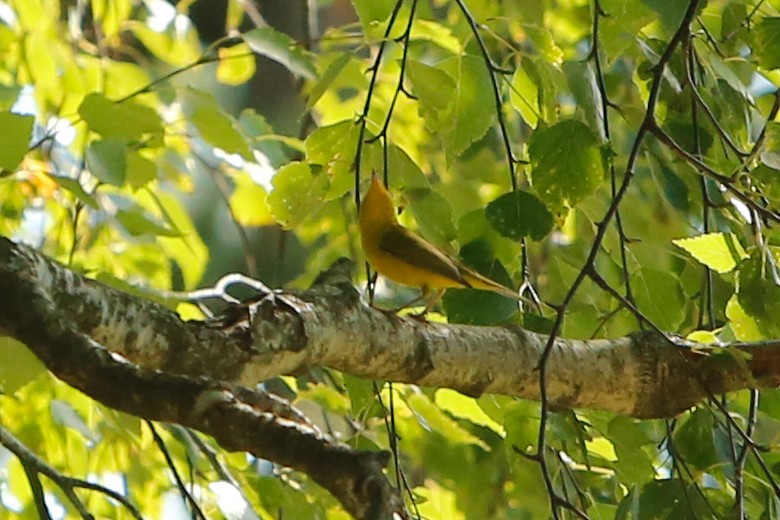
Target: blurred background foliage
{"x":156,"y":145}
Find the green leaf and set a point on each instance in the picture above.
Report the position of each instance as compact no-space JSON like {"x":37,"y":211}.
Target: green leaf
{"x":674,"y":188}
{"x":298,"y":193}
{"x":8,"y":97}
{"x":126,"y":120}
{"x":334,"y":148}
{"x":519,"y":214}
{"x":140,"y":170}
{"x":136,"y":223}
{"x":435,"y":419}
{"x":262,"y":137}
{"x":326,"y":396}
{"x":694,"y":439}
{"x":18,"y":366}
{"x":361,"y":395}
{"x":187,"y":250}
{"x":627,"y":438}
{"x":472,"y":110}
{"x":743,"y":325}
{"x":111,"y":14}
{"x":475,"y":307}
{"x":215,"y":126}
{"x":732,"y":18}
{"x":372,"y":13}
{"x":566,"y":163}
{"x":657,"y":499}
{"x":434,"y":89}
{"x":767,"y":34}
{"x":73,"y":186}
{"x":659,"y":295}
{"x":433,"y":214}
{"x":669,"y":11}
{"x":521,"y":420}
{"x":581,"y":79}
{"x":15,"y":131}
{"x":465,"y":407}
{"x":436,"y":33}
{"x":545,"y":43}
{"x":718,"y":251}
{"x":282,"y":49}
{"x":524,"y":94}
{"x":618,"y":30}
{"x":327,"y":78}
{"x":106,"y":160}
{"x":759,"y":291}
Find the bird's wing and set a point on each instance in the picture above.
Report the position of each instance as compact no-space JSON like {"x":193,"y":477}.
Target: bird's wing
{"x":407,"y":247}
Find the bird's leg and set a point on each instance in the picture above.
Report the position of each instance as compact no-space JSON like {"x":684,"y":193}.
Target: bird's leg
{"x":430,"y":297}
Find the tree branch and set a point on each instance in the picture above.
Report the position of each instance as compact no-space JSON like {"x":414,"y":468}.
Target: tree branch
{"x":84,"y":330}
{"x":63,"y":318}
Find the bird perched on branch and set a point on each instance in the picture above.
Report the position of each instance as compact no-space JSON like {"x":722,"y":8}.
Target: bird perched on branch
{"x":406,"y":258}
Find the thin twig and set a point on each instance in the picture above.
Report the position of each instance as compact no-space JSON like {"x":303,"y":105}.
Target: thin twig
{"x":492,"y":69}
{"x":33,"y":463}
{"x":185,"y":493}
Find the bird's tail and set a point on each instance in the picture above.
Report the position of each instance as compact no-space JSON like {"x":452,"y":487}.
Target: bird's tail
{"x":478,"y":281}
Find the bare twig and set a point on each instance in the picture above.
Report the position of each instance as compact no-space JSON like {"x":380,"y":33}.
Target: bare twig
{"x":34,"y":465}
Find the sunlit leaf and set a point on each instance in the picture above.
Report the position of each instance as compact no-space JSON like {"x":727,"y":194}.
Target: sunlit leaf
{"x":718,"y":251}
{"x":216,"y":127}
{"x":759,"y":290}
{"x":111,"y":14}
{"x":326,"y":396}
{"x":248,"y":203}
{"x":744,"y":326}
{"x":178,"y":44}
{"x":465,"y":407}
{"x":236,"y":64}
{"x":327,"y":78}
{"x":126,"y":120}
{"x":297,"y":193}
{"x":188,"y":250}
{"x":436,"y":33}
{"x":435,"y":419}
{"x":524,"y":95}
{"x":18,"y":366}
{"x":372,"y":13}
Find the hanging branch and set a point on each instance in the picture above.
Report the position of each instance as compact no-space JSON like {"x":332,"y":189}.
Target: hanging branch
{"x":492,"y":70}
{"x":646,"y":126}
{"x":606,"y":104}
{"x":363,"y":117}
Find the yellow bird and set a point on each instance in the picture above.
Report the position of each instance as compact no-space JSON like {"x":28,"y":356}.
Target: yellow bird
{"x":403,"y":256}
